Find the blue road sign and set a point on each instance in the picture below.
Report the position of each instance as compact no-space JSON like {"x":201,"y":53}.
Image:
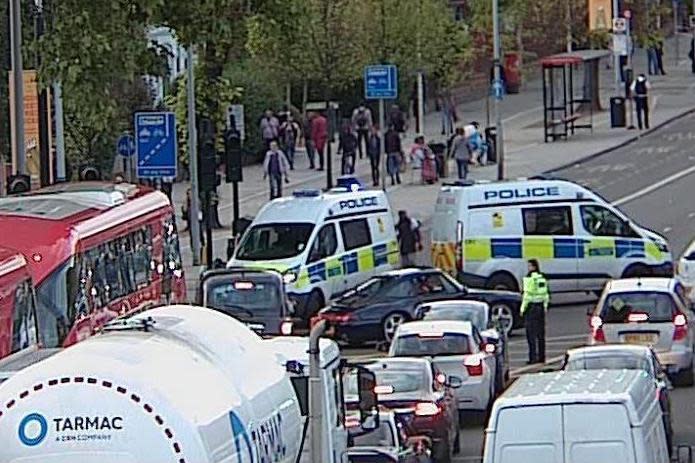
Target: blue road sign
{"x":155,"y":136}
{"x":126,"y":145}
{"x":381,"y":82}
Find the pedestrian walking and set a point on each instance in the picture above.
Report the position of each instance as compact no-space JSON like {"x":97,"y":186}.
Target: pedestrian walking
{"x":269,"y":127}
{"x":397,"y":119}
{"x":374,"y":153}
{"x":309,"y":145}
{"x":289,"y":133}
{"x":461,"y":153}
{"x":660,"y":56}
{"x":534,"y":305}
{"x":275,"y":168}
{"x":443,"y":104}
{"x":409,"y":238}
{"x":394,"y":154}
{"x":691,"y":55}
{"x":639,"y":89}
{"x":319,"y":134}
{"x":347,"y":147}
{"x":476,"y":143}
{"x":362,"y":125}
{"x":652,"y":62}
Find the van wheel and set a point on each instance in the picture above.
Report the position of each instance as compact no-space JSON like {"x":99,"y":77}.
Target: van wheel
{"x":684,"y":378}
{"x":502,"y":282}
{"x":637,"y":270}
{"x":315,"y":303}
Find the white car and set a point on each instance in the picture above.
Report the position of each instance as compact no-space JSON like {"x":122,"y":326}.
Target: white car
{"x":456,"y":349}
{"x":685,"y":270}
{"x":652,"y":312}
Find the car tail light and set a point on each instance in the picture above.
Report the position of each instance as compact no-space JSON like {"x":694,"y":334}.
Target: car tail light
{"x":332,"y":317}
{"x":597,"y":326}
{"x":680,"y":325}
{"x":637,"y":317}
{"x":474,"y":366}
{"x":426,"y":409}
{"x":286,"y":328}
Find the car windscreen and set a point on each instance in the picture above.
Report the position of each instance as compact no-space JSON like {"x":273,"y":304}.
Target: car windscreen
{"x":271,"y":241}
{"x":366,"y":290}
{"x":465,"y":314}
{"x":380,"y":437}
{"x":255,"y":294}
{"x":431,"y":345}
{"x":658,"y":307}
{"x":608,"y":362}
{"x":393,"y":381}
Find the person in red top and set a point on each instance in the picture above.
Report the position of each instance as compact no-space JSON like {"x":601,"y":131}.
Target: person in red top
{"x":319,"y":134}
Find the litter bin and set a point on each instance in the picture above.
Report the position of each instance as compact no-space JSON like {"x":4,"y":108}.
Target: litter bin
{"x":491,"y":139}
{"x":617,"y":111}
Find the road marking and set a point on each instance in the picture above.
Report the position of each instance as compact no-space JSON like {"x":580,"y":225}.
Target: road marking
{"x":536,"y":367}
{"x":691,"y":215}
{"x":656,"y":186}
{"x":667,"y":229}
{"x":551,"y":339}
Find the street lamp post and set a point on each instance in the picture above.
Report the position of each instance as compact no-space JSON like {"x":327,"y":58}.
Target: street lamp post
{"x":18,"y":74}
{"x":193,"y":161}
{"x":497,"y":83}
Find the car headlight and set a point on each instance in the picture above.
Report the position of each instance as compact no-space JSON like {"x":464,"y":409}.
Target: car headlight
{"x":289,"y":277}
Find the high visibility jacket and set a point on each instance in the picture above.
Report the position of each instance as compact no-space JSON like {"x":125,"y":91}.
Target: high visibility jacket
{"x":535,"y":291}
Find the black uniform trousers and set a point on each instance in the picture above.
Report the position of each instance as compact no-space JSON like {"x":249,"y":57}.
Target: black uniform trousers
{"x":642,"y":108}
{"x":535,"y":332}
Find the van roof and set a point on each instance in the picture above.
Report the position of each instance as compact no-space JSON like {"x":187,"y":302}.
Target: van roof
{"x":632,"y":388}
{"x":482,"y":194}
{"x":316,"y":207}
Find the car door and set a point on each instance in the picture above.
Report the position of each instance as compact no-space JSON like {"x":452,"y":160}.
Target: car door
{"x":609,"y":245}
{"x":434,"y":287}
{"x":549,"y":238}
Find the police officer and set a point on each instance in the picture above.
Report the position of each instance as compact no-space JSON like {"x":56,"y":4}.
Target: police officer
{"x":640,"y":90}
{"x":534,"y":305}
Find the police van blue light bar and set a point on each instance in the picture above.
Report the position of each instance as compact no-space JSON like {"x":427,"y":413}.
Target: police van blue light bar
{"x":350,"y":182}
{"x":307,"y":193}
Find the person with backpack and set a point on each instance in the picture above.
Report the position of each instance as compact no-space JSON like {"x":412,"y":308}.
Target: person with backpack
{"x":347,"y":146}
{"x":639,"y":89}
{"x":289,"y":132}
{"x":394,"y":154}
{"x":362,"y":125}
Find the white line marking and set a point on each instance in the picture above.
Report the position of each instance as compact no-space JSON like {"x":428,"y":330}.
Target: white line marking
{"x":691,"y":215}
{"x":553,"y":338}
{"x":536,"y":367}
{"x":667,"y":229}
{"x":651,"y":188}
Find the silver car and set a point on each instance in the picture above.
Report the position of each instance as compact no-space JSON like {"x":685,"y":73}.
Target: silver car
{"x":652,"y":312}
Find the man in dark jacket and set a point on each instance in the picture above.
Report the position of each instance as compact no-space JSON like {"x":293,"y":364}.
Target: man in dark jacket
{"x":394,"y":153}
{"x":374,"y":153}
{"x":347,"y":146}
{"x":409,"y":240}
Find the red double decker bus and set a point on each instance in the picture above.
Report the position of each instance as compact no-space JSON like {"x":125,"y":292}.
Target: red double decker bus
{"x":18,"y":328}
{"x":94,"y":252}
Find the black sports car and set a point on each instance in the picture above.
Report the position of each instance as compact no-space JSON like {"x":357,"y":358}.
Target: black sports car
{"x":373,"y":310}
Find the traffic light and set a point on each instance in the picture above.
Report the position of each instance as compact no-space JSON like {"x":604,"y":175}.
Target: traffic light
{"x":17,"y":184}
{"x":208,"y":161}
{"x":232,"y":151}
{"x":89,"y":174}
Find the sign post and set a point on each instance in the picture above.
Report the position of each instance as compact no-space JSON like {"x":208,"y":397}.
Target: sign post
{"x":381,"y":83}
{"x":156,"y":144}
{"x":125,"y":147}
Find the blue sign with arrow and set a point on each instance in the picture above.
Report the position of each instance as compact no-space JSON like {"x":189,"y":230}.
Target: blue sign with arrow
{"x":381,"y":82}
{"x":126,"y":145}
{"x":156,"y":144}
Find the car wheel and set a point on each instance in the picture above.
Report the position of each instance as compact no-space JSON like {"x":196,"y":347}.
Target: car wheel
{"x":505,"y":316}
{"x":503,"y":282}
{"x":684,"y":378}
{"x":391,"y":324}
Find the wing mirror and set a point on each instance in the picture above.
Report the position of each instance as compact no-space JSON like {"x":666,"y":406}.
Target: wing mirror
{"x":421,"y":311}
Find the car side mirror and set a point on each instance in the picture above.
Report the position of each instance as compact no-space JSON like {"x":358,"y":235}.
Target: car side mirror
{"x":454,"y":382}
{"x":368,"y":403}
{"x":421,"y":311}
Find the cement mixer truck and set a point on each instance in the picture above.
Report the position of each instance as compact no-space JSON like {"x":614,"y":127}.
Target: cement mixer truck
{"x":177,"y":384}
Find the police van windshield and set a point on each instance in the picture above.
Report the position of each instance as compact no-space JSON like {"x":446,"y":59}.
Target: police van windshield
{"x":270,"y":241}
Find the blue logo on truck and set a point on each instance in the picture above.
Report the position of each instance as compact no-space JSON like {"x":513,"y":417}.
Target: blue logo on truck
{"x":34,"y":419}
{"x":265,"y":440}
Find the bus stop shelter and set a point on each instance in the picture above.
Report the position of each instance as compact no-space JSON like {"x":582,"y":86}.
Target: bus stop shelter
{"x":563,"y":106}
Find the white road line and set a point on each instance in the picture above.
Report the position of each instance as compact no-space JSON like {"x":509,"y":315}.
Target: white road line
{"x":552,"y":338}
{"x":536,"y":367}
{"x":651,"y":188}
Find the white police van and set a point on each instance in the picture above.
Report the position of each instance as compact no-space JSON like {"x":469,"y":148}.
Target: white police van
{"x":484,"y":233}
{"x":322,"y":243}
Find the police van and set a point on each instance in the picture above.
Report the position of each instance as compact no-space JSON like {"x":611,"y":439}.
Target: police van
{"x":484,"y":233}
{"x":322,"y":243}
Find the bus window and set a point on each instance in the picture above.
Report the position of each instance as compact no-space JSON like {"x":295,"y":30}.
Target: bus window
{"x":24,"y":331}
{"x":52,"y":304}
{"x":172,"y":254}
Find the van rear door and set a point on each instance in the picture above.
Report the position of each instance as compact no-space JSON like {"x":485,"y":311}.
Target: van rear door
{"x":608,"y":438}
{"x":529,"y":434}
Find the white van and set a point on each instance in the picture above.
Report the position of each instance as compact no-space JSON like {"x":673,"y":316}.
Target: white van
{"x":483,"y":233}
{"x":322,"y":243}
{"x":583,"y":416}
